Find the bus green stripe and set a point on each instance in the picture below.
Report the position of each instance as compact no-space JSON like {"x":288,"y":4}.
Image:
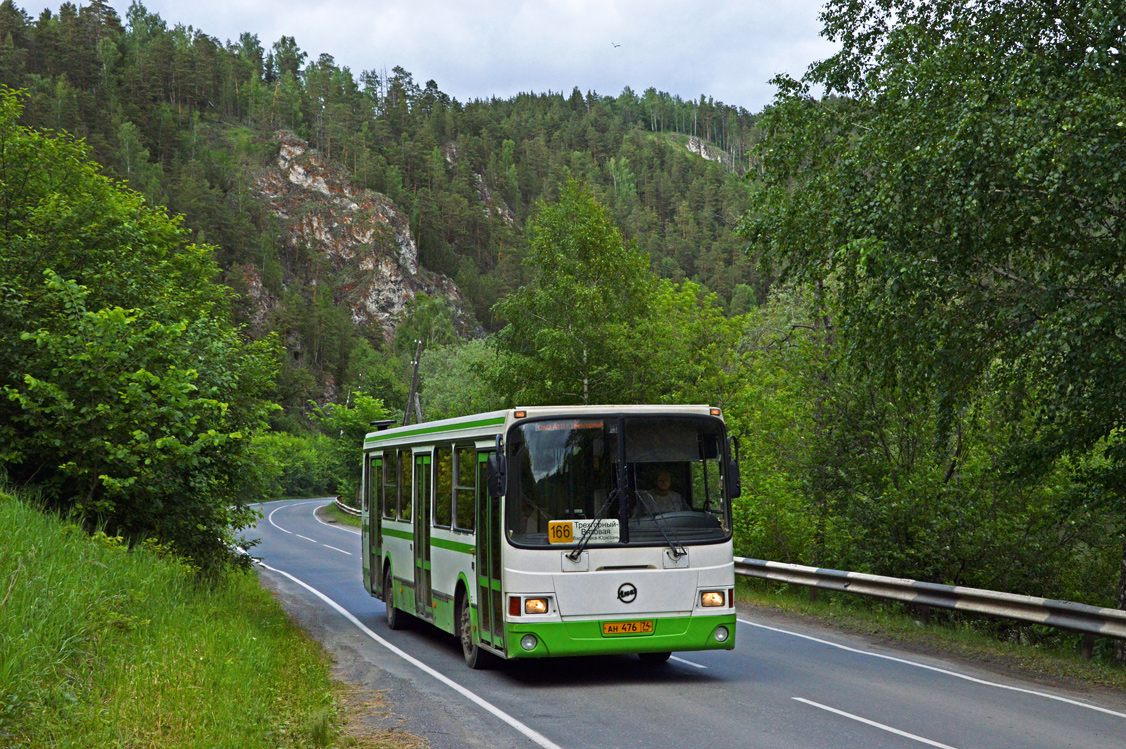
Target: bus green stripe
{"x":442,"y":543}
{"x":431,"y":430}
{"x":396,"y":533}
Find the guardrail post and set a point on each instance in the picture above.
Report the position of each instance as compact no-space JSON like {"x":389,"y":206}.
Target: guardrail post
{"x":1087,"y":649}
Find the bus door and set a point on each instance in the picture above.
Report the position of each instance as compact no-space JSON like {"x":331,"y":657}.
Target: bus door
{"x":373,"y":521}
{"x":423,"y":491}
{"x":490,"y":603}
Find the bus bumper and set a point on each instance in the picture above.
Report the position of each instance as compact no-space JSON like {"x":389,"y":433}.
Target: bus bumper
{"x":676,"y":634}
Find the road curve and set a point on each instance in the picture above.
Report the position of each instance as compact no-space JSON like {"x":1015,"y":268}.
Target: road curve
{"x":780,"y":687}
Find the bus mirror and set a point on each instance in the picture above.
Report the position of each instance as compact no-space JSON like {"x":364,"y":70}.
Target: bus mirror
{"x":734,"y":482}
{"x":497,"y":475}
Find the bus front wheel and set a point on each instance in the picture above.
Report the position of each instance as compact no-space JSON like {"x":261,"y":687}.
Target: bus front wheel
{"x":475,"y":658}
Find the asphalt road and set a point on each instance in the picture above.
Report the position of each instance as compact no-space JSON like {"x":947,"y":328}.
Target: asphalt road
{"x":785,"y":684}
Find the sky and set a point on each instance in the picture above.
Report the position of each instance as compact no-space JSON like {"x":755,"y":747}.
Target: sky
{"x":725,"y":49}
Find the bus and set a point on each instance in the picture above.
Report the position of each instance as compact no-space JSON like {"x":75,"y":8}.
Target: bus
{"x":556,"y":531}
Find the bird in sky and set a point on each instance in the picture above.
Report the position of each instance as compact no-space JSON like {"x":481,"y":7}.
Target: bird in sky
{"x":616,"y":45}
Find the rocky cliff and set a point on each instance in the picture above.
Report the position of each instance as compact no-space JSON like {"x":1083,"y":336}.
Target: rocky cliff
{"x":706,"y":150}
{"x":362,"y":237}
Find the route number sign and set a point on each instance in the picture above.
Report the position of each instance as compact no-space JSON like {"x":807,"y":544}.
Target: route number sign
{"x":607,"y":531}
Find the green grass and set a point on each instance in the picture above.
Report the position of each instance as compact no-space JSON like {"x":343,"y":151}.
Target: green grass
{"x":103,"y":646}
{"x":1033,"y":650}
{"x":333,"y":513}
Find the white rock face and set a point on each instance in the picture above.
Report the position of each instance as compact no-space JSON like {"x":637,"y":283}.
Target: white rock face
{"x":362,"y":234}
{"x":700,"y":148}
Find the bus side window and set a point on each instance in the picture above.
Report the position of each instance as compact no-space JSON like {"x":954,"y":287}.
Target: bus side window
{"x":406,"y":460}
{"x":465,"y":486}
{"x":443,"y":483}
{"x":390,"y":485}
{"x":366,"y":502}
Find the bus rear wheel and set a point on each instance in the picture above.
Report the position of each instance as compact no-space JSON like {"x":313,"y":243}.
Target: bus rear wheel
{"x":475,"y":658}
{"x":654,"y":659}
{"x":395,"y":618}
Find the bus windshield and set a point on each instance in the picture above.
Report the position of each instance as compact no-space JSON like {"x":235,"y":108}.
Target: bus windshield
{"x":650,"y":480}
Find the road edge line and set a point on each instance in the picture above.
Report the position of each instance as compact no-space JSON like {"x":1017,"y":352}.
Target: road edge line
{"x":529,"y":732}
{"x":936,"y":669}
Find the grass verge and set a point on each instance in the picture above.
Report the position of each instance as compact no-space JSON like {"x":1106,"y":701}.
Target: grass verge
{"x":1032,"y":650}
{"x":105,"y":646}
{"x":332,"y":512}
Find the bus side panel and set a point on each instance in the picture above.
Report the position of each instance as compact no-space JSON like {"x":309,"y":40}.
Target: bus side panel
{"x":397,"y":541}
{"x":451,"y":555}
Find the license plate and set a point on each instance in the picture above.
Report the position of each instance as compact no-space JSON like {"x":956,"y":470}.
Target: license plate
{"x":642,"y":627}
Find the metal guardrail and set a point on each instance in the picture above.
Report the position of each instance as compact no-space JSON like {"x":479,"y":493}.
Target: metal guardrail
{"x":1077,"y":617}
{"x":346,"y":509}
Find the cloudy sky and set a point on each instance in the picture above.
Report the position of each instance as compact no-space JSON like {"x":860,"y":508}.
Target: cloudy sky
{"x":725,"y":49}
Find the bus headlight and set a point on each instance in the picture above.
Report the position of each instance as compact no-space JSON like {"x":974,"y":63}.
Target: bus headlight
{"x":721,"y":634}
{"x":711,"y":598}
{"x":529,"y":642}
{"x":535,"y":606}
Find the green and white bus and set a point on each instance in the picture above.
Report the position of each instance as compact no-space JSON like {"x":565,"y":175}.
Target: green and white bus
{"x":555,"y":531}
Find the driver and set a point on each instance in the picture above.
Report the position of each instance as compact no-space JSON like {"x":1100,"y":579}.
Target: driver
{"x":663,"y":498}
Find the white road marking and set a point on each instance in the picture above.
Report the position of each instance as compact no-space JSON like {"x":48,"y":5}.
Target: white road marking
{"x":288,"y":503}
{"x":955,"y":674}
{"x":535,"y":736}
{"x":336,"y":549}
{"x":337,"y":526}
{"x":881,"y":726}
{"x":690,"y":663}
{"x":304,"y":537}
{"x":270,"y":517}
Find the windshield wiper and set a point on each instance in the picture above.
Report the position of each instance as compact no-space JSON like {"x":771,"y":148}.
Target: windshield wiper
{"x":590,"y":529}
{"x":675,"y":547}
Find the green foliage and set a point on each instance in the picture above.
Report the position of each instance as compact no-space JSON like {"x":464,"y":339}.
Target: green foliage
{"x":773,"y":417}
{"x":295,"y":465}
{"x":144,"y":439}
{"x":595,"y":326}
{"x":686,"y":347}
{"x":427,"y":320}
{"x":962,"y":208}
{"x":346,"y":425}
{"x":455,"y":380}
{"x":567,"y":338}
{"x":952,"y":197}
{"x":842,"y":469}
{"x":128,"y":399}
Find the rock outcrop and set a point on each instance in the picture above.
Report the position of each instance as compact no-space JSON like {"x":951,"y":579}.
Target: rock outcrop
{"x":365,"y":238}
{"x":705,"y":150}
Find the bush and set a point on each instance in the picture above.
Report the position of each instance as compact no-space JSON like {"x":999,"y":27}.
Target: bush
{"x":127,"y":395}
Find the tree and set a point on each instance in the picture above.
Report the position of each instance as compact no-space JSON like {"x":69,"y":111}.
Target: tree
{"x":567,"y":338}
{"x":346,"y":426}
{"x":966,"y":197}
{"x":126,"y":394}
{"x":140,"y":425}
{"x":454,"y":380}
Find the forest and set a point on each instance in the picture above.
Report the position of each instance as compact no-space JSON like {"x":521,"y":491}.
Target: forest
{"x":904,"y":281}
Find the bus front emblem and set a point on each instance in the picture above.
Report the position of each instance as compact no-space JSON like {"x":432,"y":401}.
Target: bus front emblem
{"x":626,"y":593}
